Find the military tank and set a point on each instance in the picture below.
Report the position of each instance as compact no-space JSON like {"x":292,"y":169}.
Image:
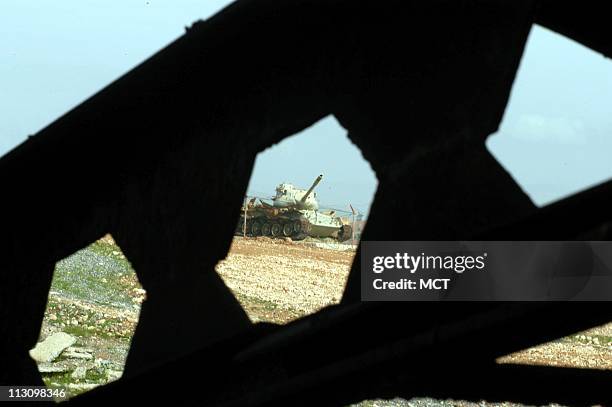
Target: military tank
{"x":294,"y":213}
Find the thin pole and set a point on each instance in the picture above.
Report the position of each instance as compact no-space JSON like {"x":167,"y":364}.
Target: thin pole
{"x":353,"y":228}
{"x":246,"y":200}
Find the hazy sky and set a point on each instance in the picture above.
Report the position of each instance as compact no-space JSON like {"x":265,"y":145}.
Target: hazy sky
{"x":556,"y":137}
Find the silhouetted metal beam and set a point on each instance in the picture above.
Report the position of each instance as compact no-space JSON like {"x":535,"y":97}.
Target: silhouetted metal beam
{"x":572,"y":218}
{"x":587,"y":22}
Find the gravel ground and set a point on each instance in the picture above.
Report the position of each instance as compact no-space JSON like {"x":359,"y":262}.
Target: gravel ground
{"x":294,"y":277}
{"x":591,"y":349}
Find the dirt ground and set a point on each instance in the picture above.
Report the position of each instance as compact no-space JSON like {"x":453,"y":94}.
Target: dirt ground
{"x":278,"y":281}
{"x":96,"y":298}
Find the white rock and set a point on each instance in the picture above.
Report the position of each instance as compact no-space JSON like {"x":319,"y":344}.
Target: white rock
{"x":79,"y":349}
{"x":77,"y":355}
{"x":49,"y":349}
{"x":79,"y":373}
{"x":49,"y":368}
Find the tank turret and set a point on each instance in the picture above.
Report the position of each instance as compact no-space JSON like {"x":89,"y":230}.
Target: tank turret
{"x":288,"y":196}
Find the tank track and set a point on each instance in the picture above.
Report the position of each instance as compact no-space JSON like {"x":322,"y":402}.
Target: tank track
{"x":345,"y":233}
{"x":296,"y":228}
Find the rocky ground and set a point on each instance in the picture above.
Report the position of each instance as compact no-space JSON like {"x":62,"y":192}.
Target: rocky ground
{"x":278,"y":281}
{"x":96,"y":297}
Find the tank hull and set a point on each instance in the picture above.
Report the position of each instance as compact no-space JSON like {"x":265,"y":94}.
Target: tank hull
{"x":276,"y":222}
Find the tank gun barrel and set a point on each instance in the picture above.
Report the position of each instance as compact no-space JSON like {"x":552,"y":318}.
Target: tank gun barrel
{"x":313,"y":186}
